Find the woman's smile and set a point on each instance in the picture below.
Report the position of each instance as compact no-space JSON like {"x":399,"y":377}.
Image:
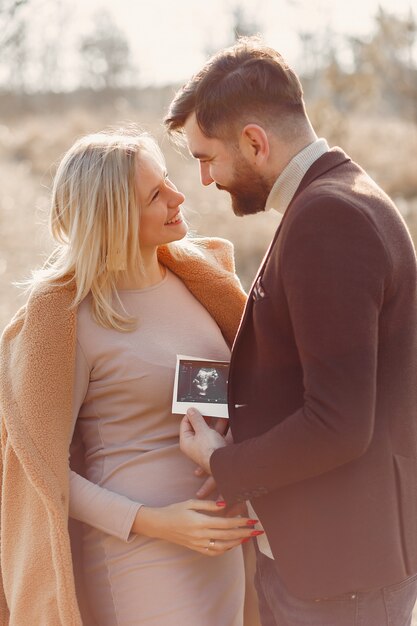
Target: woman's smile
{"x":177,"y":219}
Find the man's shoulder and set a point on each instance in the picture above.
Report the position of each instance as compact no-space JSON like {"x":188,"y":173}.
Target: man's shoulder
{"x":339,"y":183}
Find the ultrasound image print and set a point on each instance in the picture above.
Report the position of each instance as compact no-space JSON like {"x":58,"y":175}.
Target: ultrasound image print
{"x":200,"y":381}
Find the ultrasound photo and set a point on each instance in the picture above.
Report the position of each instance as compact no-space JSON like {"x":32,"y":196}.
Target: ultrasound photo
{"x":201,"y":382}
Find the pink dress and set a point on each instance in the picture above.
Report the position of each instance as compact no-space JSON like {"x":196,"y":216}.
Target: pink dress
{"x":123,"y":394}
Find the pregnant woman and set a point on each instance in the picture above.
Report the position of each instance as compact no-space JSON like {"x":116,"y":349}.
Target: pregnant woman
{"x":87,"y":366}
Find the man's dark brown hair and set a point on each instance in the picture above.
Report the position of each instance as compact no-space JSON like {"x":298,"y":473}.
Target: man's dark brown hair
{"x":248,"y":82}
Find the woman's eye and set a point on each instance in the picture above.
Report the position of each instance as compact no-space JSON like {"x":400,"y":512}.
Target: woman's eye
{"x":154,"y":197}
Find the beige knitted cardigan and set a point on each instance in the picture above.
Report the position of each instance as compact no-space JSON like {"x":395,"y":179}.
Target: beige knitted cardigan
{"x":37,"y":356}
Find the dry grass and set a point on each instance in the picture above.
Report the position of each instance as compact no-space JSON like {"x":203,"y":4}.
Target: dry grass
{"x":31,"y":145}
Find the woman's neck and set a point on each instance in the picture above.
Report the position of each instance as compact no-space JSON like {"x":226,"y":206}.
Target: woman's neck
{"x":153,"y":273}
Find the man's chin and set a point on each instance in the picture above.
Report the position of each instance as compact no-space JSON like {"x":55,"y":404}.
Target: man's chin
{"x":240,"y":209}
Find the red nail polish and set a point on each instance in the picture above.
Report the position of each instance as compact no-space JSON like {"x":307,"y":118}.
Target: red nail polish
{"x":221,"y":503}
{"x":252,"y":522}
{"x":245,"y":540}
{"x":255,"y":533}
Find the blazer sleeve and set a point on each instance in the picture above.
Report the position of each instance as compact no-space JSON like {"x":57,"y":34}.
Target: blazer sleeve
{"x":334,"y":269}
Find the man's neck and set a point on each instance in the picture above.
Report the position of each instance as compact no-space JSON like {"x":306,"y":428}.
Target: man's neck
{"x":283,"y":152}
{"x":291,"y":176}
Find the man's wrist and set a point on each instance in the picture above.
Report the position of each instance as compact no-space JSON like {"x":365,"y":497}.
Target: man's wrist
{"x":209,"y":455}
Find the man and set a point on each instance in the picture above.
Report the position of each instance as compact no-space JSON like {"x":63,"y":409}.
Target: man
{"x":323,"y":374}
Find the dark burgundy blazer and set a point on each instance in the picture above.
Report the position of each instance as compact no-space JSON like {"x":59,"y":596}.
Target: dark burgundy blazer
{"x":323,"y":389}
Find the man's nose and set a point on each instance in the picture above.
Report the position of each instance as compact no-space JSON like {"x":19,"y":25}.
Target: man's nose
{"x":205,"y":177}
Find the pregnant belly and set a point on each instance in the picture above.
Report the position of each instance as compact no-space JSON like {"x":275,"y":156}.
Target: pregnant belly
{"x":156,"y":477}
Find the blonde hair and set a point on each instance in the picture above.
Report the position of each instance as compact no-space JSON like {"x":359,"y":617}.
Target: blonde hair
{"x":94,"y":219}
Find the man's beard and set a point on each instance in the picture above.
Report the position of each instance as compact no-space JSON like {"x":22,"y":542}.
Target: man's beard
{"x":248,"y":191}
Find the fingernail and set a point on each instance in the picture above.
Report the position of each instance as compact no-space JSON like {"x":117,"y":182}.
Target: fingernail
{"x":252,"y":522}
{"x":221,"y":503}
{"x":190,"y":412}
{"x":255,"y":533}
{"x":245,"y":540}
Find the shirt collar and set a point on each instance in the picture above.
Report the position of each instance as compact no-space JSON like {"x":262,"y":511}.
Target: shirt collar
{"x":291,"y":176}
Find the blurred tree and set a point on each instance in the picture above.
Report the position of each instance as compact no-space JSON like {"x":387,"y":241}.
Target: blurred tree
{"x":106,"y":55}
{"x":9,"y":20}
{"x":309,"y":44}
{"x":380,"y":73}
{"x":16,"y":57}
{"x":52,"y":50}
{"x":244,"y":25}
{"x":13,"y":47}
{"x":386,"y":60}
{"x":32,"y":34}
{"x":349,"y":89}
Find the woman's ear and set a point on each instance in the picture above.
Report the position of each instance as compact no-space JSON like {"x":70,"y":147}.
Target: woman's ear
{"x":254,"y":144}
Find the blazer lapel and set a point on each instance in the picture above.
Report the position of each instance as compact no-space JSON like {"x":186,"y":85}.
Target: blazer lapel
{"x":328,"y":161}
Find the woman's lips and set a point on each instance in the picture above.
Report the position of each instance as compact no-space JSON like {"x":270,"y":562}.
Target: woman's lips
{"x":177,"y":219}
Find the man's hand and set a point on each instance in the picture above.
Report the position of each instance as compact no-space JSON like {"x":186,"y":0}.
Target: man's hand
{"x":210,"y":484}
{"x":197,"y":440}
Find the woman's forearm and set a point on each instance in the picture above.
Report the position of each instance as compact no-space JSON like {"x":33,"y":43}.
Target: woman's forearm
{"x":101,"y":508}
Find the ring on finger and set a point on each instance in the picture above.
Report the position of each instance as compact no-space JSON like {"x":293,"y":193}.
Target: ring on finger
{"x":211,"y":544}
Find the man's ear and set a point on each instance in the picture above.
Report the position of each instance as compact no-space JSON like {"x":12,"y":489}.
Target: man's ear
{"x":254,"y":144}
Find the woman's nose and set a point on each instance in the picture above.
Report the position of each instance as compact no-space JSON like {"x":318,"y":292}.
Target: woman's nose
{"x":176,"y":198}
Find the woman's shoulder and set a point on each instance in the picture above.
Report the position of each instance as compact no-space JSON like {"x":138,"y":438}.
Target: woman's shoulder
{"x":46,"y":306}
{"x":207,"y":243}
{"x":207,"y":250}
{"x":221,"y":249}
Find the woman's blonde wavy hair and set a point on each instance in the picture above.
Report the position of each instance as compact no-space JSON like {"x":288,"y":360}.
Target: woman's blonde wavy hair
{"x":94,"y":219}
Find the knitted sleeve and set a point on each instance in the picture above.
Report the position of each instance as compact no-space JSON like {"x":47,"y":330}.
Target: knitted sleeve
{"x":4,"y":611}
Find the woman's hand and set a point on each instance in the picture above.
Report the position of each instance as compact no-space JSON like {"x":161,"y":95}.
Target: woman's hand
{"x":186,"y":524}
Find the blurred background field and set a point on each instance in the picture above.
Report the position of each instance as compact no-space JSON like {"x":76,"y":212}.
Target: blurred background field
{"x":360,"y":88}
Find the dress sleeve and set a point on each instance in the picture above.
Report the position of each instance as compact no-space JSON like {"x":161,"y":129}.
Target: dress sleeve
{"x":92,"y":504}
{"x":103,"y":509}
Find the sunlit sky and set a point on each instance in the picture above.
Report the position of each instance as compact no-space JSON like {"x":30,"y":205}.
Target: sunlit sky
{"x":169,"y":39}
